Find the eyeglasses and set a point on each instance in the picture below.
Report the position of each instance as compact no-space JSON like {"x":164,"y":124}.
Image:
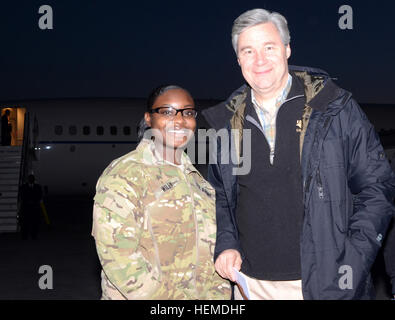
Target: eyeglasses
{"x":171,"y":112}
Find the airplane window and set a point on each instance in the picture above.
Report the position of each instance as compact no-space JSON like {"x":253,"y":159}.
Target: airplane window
{"x":126,"y":130}
{"x":72,"y":130}
{"x":99,"y":130}
{"x":58,"y":130}
{"x":86,"y":130}
{"x":113,"y":130}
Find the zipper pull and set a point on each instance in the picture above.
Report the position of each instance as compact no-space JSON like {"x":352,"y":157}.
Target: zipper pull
{"x":319,"y":185}
{"x":271,"y":155}
{"x":320,"y":192}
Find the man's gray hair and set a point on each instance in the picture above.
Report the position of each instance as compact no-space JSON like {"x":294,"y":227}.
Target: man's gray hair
{"x":258,"y":16}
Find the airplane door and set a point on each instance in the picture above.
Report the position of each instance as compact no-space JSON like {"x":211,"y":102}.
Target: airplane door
{"x":16,"y":122}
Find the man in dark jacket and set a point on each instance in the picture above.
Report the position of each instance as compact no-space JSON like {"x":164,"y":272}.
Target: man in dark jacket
{"x":307,"y":218}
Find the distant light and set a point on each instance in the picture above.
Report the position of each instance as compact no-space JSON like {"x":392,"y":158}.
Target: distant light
{"x":48,"y":147}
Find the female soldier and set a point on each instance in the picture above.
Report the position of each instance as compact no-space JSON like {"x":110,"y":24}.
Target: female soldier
{"x":154,"y":214}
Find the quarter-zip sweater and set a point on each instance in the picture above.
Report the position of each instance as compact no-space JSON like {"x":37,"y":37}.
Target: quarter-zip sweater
{"x":270,"y":210}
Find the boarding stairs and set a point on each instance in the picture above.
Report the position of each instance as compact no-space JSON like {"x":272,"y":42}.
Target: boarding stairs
{"x":10,"y":166}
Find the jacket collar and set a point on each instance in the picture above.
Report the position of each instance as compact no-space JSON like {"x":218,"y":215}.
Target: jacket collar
{"x":322,"y":94}
{"x":296,"y":91}
{"x":329,"y":95}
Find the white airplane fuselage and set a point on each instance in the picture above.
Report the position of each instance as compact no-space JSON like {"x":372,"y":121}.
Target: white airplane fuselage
{"x":76,"y":139}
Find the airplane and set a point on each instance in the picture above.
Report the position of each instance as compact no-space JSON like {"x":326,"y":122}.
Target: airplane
{"x":67,"y":143}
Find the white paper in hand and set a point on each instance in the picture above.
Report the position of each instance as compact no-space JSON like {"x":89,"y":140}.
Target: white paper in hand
{"x":242,"y":283}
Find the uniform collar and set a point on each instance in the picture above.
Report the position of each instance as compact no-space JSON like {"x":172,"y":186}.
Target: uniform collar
{"x":152,"y":157}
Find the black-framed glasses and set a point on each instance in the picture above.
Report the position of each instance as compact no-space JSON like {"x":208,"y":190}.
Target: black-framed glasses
{"x":171,"y":112}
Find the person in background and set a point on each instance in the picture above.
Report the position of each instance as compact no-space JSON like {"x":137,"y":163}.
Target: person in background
{"x":30,"y":210}
{"x":307,"y":220}
{"x":154,"y":214}
{"x":6,"y":129}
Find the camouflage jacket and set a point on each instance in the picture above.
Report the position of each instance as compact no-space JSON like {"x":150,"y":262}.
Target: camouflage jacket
{"x":155,"y":230}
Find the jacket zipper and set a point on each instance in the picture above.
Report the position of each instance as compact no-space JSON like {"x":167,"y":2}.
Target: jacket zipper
{"x":319,"y":185}
{"x":253,"y":121}
{"x":294,"y":97}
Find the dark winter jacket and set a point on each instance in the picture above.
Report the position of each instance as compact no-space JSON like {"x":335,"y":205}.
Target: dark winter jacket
{"x":348,"y":187}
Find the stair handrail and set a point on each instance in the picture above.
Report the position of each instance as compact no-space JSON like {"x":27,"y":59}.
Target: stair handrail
{"x":23,"y":167}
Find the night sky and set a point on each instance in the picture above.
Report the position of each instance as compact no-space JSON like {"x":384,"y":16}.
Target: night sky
{"x":125,"y":48}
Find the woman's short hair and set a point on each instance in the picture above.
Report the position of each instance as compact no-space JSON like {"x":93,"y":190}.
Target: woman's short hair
{"x":158,"y":91}
{"x":258,"y":16}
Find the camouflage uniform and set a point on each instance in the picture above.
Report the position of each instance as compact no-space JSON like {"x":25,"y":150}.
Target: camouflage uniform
{"x":155,"y":230}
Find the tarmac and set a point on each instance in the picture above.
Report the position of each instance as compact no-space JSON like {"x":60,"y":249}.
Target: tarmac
{"x":65,"y":245}
{"x":67,"y":251}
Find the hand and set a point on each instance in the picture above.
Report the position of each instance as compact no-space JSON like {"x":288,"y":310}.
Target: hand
{"x":226,"y":261}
